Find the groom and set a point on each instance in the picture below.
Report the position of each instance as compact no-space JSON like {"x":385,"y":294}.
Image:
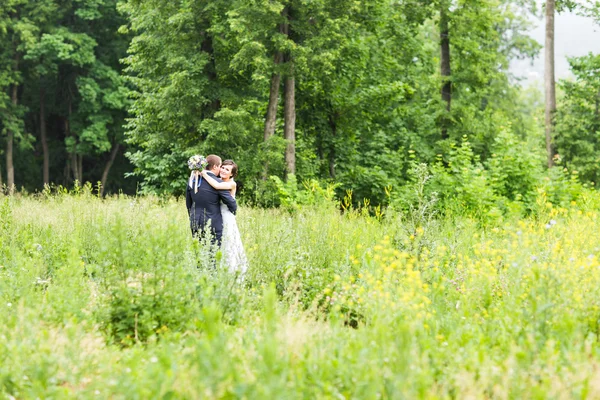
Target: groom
{"x":204,"y":206}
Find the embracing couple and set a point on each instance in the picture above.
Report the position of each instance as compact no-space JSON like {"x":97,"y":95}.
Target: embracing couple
{"x":211,"y":205}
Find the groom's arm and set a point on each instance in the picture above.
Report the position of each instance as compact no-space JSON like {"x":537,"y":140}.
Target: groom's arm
{"x":228,"y":199}
{"x":188,"y":198}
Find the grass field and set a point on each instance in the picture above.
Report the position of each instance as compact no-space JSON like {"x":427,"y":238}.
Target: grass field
{"x":112,"y":299}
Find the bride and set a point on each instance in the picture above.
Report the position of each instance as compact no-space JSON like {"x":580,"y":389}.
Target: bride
{"x":233,"y":249}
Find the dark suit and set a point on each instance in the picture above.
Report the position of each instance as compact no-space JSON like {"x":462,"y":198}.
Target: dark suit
{"x":204,"y":209}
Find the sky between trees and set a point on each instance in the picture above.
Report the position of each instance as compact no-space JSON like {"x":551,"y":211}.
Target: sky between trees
{"x":575,"y":36}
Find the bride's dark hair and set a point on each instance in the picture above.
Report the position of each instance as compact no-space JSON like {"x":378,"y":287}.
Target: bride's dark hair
{"x":234,"y":167}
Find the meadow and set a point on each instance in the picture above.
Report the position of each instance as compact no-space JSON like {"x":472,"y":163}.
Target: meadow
{"x":112,"y":298}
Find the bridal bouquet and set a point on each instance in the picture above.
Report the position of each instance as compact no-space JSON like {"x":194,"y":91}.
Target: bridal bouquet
{"x":197,"y":162}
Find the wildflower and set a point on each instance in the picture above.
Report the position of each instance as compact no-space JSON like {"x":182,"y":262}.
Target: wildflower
{"x":40,"y":281}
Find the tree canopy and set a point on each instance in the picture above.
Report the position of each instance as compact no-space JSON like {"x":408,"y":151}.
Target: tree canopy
{"x":351,"y":93}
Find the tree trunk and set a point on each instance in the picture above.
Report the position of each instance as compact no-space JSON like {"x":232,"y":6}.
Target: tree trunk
{"x":549,"y":83}
{"x":75,"y":160}
{"x":271,"y":117}
{"x":46,"y":167}
{"x":109,"y":163}
{"x":80,"y":167}
{"x":289,"y":129}
{"x":289,"y":109}
{"x":67,"y":172}
{"x":10,"y":168}
{"x":445,"y":69}
{"x":211,"y":70}
{"x":74,"y":166}
{"x":333,"y":126}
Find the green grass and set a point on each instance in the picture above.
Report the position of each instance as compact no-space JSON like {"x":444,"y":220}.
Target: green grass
{"x":112,"y":299}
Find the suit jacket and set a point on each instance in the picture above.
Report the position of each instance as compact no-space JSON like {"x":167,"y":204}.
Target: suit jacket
{"x":204,"y":206}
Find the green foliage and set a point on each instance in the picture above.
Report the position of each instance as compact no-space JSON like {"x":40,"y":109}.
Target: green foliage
{"x":368,"y":108}
{"x":367,"y":88}
{"x":464,"y":184}
{"x":514,"y":167}
{"x":312,"y":193}
{"x":507,"y":184}
{"x":562,"y":187}
{"x":578,"y":119}
{"x":63,"y":60}
{"x":197,"y":80}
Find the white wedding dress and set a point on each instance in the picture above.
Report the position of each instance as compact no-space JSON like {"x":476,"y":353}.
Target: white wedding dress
{"x":234,"y":256}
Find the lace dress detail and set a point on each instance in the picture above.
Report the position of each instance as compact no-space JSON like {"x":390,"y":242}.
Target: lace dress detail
{"x":234,"y":256}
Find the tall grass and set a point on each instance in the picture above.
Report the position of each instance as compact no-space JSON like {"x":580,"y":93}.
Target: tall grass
{"x":114,"y":299}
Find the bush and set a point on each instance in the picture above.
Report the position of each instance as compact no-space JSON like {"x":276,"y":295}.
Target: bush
{"x":312,"y":193}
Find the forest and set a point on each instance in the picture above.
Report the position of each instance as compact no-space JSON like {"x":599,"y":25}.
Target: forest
{"x":349,"y":94}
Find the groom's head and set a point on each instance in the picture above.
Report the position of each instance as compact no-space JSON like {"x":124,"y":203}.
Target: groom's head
{"x":214,"y":164}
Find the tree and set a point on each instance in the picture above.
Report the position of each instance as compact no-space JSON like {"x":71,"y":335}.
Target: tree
{"x":45,"y":56}
{"x":578,"y":119}
{"x":552,"y":6}
{"x":344,"y":90}
{"x":19,"y":30}
{"x":289,"y":113}
{"x":485,"y":36}
{"x":183,"y":103}
{"x":62,"y":98}
{"x":549,"y":82}
{"x":445,"y":66}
